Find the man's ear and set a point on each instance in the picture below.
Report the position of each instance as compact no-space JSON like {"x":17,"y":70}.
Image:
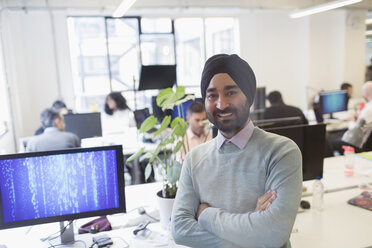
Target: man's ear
{"x":56,"y":122}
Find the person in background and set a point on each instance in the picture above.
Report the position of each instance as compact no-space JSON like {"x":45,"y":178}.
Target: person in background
{"x":54,"y":137}
{"x":242,"y":188}
{"x":196,"y":133}
{"x":349,"y":88}
{"x":366,"y":115}
{"x":118,"y":117}
{"x":279,"y":109}
{"x":58,"y":106}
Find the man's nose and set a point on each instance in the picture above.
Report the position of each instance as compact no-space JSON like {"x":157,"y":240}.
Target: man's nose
{"x":222,"y":103}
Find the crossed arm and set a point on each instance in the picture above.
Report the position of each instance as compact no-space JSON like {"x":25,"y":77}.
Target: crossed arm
{"x":200,"y":225}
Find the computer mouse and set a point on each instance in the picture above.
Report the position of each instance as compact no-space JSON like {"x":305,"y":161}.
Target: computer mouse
{"x":304,"y":204}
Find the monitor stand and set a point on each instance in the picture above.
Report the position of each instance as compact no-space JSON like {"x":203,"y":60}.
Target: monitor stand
{"x":67,"y":232}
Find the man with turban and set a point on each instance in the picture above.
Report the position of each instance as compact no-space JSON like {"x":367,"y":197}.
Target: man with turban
{"x":242,"y":188}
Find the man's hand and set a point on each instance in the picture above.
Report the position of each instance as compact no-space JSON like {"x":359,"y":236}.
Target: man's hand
{"x":201,"y":208}
{"x":265,"y":200}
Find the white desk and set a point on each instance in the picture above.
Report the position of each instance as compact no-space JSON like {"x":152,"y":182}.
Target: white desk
{"x":338,"y":225}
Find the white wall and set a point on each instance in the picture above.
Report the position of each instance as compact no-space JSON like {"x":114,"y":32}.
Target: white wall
{"x":277,"y":49}
{"x":300,"y":56}
{"x":7,"y":144}
{"x":286,"y":54}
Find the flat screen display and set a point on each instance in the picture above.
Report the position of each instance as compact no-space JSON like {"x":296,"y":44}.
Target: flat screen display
{"x":60,"y":185}
{"x":85,"y":125}
{"x":154,"y":77}
{"x":332,"y":102}
{"x":311,"y":141}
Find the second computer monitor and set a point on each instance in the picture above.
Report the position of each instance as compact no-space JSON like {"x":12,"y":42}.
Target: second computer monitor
{"x":311,"y":141}
{"x":85,"y":125}
{"x":333,"y":101}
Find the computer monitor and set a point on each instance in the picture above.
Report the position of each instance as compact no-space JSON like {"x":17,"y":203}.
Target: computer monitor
{"x":278,"y":122}
{"x":311,"y":141}
{"x":157,"y":77}
{"x":86,"y":125}
{"x":333,"y":101}
{"x":61,"y":185}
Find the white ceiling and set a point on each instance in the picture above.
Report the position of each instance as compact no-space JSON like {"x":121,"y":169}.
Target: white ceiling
{"x":112,"y":4}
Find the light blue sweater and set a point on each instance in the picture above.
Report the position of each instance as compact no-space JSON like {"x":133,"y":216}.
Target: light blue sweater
{"x":231,"y":180}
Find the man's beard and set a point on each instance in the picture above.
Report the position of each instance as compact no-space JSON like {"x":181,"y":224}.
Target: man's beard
{"x":230,"y":125}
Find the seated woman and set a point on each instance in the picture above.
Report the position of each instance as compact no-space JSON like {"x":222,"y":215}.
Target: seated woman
{"x":117,"y":117}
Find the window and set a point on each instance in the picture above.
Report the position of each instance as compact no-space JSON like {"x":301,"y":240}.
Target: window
{"x":107,"y":53}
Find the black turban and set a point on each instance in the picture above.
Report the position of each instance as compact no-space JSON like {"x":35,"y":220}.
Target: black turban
{"x":237,"y":68}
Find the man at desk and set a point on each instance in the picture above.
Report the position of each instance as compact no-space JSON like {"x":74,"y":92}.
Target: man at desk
{"x":54,"y":137}
{"x":279,"y":109}
{"x":196,"y":133}
{"x":243,"y":187}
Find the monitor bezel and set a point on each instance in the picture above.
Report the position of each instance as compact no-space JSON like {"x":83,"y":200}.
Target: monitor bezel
{"x":68,"y":217}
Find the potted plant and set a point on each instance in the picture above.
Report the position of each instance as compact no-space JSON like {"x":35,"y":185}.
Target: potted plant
{"x":171,"y":141}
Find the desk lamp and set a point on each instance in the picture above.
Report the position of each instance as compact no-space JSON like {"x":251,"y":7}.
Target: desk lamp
{"x":359,"y":134}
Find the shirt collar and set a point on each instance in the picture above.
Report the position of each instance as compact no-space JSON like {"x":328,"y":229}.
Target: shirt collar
{"x":50,"y":129}
{"x":240,"y":139}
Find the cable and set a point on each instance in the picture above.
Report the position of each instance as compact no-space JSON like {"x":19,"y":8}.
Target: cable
{"x":142,"y":211}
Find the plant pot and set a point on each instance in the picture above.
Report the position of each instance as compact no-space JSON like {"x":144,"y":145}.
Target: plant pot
{"x":165,"y":210}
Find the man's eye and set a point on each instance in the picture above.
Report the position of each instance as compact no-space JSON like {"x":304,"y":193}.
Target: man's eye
{"x":211,"y":96}
{"x":230,"y":93}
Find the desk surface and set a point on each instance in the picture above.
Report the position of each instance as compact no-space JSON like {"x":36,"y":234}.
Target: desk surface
{"x":339,"y":225}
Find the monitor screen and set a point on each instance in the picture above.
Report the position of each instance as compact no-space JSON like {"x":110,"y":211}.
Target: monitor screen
{"x":85,"y":125}
{"x":333,"y":101}
{"x":311,"y":141}
{"x":43,"y":187}
{"x":157,"y":77}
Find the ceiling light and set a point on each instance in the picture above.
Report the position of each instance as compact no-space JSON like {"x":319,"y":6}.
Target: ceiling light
{"x":322,"y":7}
{"x":369,"y":21}
{"x":123,"y":7}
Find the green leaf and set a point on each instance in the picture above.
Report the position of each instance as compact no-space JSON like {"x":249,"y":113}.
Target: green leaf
{"x":178,"y":146}
{"x":167,"y":98}
{"x":173,"y":172}
{"x":185,"y":99}
{"x":163,"y":95}
{"x":164,"y":125}
{"x":175,"y":122}
{"x":149,"y":123}
{"x":180,"y":92}
{"x":131,"y":158}
{"x":148,"y":171}
{"x":148,"y":155}
{"x":180,"y":130}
